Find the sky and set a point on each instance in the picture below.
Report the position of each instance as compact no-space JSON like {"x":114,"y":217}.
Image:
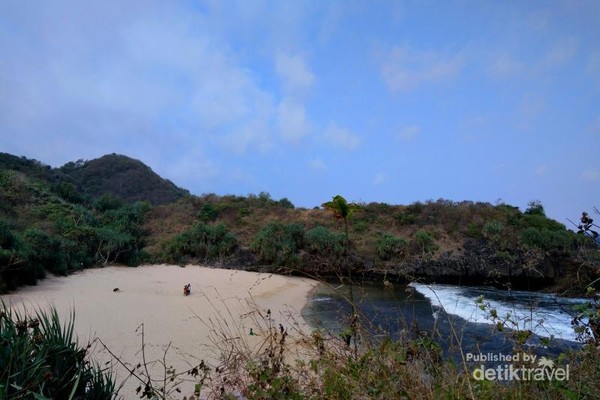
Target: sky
{"x":379,"y":101}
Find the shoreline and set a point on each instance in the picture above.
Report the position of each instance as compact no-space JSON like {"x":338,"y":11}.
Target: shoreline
{"x":224,"y":304}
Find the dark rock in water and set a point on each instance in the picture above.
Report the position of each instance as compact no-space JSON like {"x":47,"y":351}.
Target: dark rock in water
{"x":116,"y":289}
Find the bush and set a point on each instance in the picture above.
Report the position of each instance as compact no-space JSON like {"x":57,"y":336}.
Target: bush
{"x":45,"y":253}
{"x":424,"y":243}
{"x":208,"y":213}
{"x":321,"y":240}
{"x":535,"y":207}
{"x":405,"y":218}
{"x":492,"y":229}
{"x":473,"y":230}
{"x":286,"y":203}
{"x":201,"y":242}
{"x":552,"y":241}
{"x":108,"y":202}
{"x":391,"y":247}
{"x":278,"y":243}
{"x":40,"y":359}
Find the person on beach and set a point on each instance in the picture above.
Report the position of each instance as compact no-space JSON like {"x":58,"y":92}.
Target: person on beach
{"x":187,"y":289}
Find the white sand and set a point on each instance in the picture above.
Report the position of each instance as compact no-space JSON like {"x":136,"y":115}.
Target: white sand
{"x":153,"y":296}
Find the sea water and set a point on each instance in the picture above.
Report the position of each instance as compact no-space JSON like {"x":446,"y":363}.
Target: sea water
{"x":449,"y":314}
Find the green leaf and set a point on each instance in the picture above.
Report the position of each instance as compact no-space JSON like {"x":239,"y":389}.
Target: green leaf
{"x":40,"y":397}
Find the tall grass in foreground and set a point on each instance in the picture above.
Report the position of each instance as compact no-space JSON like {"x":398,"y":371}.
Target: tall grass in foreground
{"x":40,"y":359}
{"x":260,"y":355}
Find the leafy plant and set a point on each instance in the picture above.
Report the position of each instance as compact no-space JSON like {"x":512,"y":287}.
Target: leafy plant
{"x":390,"y":247}
{"x":208,"y":213}
{"x":278,"y":243}
{"x":201,"y":242}
{"x":424,"y":242}
{"x":321,"y":240}
{"x":341,"y":209}
{"x":40,"y":359}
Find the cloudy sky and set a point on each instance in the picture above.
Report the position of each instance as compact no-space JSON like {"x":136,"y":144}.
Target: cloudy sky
{"x":391,"y":101}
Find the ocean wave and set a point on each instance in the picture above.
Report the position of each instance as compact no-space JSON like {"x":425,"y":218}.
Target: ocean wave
{"x":544,"y":314}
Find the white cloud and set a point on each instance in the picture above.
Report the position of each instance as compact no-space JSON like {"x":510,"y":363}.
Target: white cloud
{"x":592,"y":66}
{"x":594,"y":127}
{"x":530,"y":108}
{"x":341,"y":137}
{"x":250,"y":134}
{"x":126,"y":75}
{"x":408,"y":133}
{"x":405,"y":69}
{"x":379,"y":178}
{"x":475,"y":128}
{"x":504,"y":65}
{"x":591,"y":175}
{"x":317,"y":165}
{"x":193,"y":164}
{"x":562,"y":51}
{"x":539,"y":20}
{"x":540,"y":170}
{"x":291,"y":120}
{"x":294,"y":72}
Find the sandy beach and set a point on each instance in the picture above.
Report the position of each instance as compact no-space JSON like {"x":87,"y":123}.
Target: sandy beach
{"x":222,"y":303}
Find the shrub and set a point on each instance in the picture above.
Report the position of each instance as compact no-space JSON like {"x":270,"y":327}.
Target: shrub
{"x":277,"y":243}
{"x":67,"y":191}
{"x":208,"y":213}
{"x":360,"y":226}
{"x":40,"y":359}
{"x":553,"y":241}
{"x":424,"y":243}
{"x":322,"y":241}
{"x":390,"y":246}
{"x":201,"y":242}
{"x":405,"y":218}
{"x":286,"y":203}
{"x":108,"y":202}
{"x":492,"y":229}
{"x":535,"y":207}
{"x":46,"y":253}
{"x":473,"y":230}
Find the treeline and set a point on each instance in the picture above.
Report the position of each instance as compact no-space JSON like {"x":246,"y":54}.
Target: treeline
{"x":51,"y":224}
{"x":384,"y":238}
{"x":45,"y":230}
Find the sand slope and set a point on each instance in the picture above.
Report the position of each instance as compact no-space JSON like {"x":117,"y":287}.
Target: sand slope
{"x":153,"y":296}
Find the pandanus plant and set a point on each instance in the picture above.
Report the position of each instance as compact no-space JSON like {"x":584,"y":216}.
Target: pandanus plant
{"x":341,"y":209}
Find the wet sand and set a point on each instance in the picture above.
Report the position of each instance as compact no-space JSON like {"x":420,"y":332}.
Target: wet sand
{"x":222,"y":308}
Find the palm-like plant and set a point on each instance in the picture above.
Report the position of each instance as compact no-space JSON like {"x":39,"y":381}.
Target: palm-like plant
{"x":40,"y":359}
{"x":341,"y":209}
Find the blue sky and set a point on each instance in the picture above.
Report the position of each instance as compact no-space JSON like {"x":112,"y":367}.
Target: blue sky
{"x":390,"y":101}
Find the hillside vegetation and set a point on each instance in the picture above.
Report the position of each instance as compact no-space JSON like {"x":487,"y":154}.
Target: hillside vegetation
{"x":116,"y":210}
{"x":123,"y":177}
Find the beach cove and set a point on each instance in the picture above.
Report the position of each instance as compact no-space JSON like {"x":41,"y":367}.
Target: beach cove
{"x":114,"y":303}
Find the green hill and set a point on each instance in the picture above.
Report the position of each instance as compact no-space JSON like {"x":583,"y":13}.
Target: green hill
{"x":125,"y":178}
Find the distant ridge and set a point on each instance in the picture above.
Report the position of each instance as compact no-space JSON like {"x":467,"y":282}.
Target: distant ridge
{"x":123,"y":177}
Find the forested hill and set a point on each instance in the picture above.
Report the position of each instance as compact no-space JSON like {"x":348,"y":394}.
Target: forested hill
{"x":125,"y":178}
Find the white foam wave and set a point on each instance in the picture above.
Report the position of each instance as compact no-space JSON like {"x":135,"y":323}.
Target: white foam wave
{"x":541,"y":318}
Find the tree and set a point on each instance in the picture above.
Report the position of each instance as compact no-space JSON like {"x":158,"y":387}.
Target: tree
{"x":535,"y":207}
{"x":341,"y":209}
